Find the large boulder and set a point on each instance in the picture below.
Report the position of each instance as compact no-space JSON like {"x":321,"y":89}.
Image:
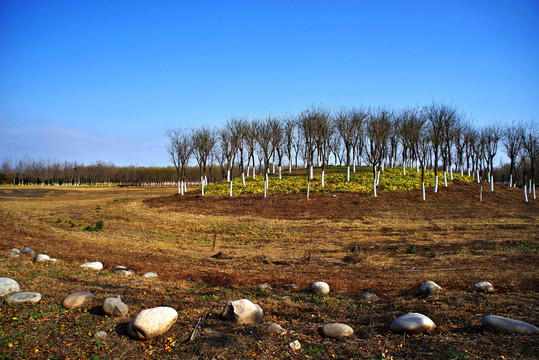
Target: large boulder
{"x":96,"y":265}
{"x":77,"y":299}
{"x":429,"y":287}
{"x":153,"y":322}
{"x":484,"y":286}
{"x":243,"y":312}
{"x":23,"y":297}
{"x":412,"y":323}
{"x":114,"y":306}
{"x":336,"y":331}
{"x":507,"y":325}
{"x":8,"y":286}
{"x":319,"y":288}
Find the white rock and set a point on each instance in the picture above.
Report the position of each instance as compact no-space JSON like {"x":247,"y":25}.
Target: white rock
{"x":53,"y":260}
{"x":15,"y":250}
{"x":100,"y":335}
{"x":507,"y":325}
{"x":14,"y":255}
{"x":153,"y":322}
{"x":369,"y":296}
{"x":336,"y":330}
{"x":429,"y":287}
{"x":23,"y":297}
{"x":96,"y":265}
{"x":114,"y":306}
{"x":42,"y":258}
{"x":122,"y":270}
{"x":77,"y":299}
{"x":319,"y":288}
{"x":150,"y":274}
{"x":8,"y":286}
{"x":264,"y":287}
{"x":243,"y":312}
{"x":276,"y":329}
{"x":295,"y":345}
{"x":412,"y":323}
{"x":484,"y":286}
{"x":28,"y":251}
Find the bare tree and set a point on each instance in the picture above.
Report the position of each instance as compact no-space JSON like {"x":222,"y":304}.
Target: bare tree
{"x":323,"y":131}
{"x":512,"y":141}
{"x":347,"y":122}
{"x":289,"y":125}
{"x":180,"y":148}
{"x":307,"y":125}
{"x":530,"y":145}
{"x":377,"y":129}
{"x":204,"y":141}
{"x":491,"y":136}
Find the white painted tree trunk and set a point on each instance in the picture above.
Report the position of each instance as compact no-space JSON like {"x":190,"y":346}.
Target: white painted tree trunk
{"x":185,"y":187}
{"x":511,"y":180}
{"x":280,"y":176}
{"x":180,"y":188}
{"x":290,"y":167}
{"x":354,"y":161}
{"x":451,"y":173}
{"x":382,"y":167}
{"x":477,"y":176}
{"x":436,"y":183}
{"x":417,"y":166}
{"x":488,"y":176}
{"x":374,"y":187}
{"x":322,"y":178}
{"x":533,"y":192}
{"x":378,"y":178}
{"x":530,"y":187}
{"x":308,"y":188}
{"x":525,"y":194}
{"x":348,"y":173}
{"x":266,"y":185}
{"x":311,"y":172}
{"x":202,"y":187}
{"x":404,"y":168}
{"x":231,"y":188}
{"x":243,"y":178}
{"x":273,"y":172}
{"x":481,"y":193}
{"x":319,"y":161}
{"x":492,"y":183}
{"x":254,"y":173}
{"x":445,"y":179}
{"x":228,"y":175}
{"x":423,"y":190}
{"x":461,"y":170}
{"x":392,"y":162}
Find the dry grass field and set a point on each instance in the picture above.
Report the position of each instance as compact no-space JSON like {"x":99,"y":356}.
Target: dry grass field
{"x":387,"y":245}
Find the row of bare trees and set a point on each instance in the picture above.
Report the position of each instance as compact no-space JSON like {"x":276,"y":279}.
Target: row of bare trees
{"x":438,"y":136}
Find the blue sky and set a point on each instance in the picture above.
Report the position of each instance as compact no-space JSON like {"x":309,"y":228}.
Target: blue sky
{"x":102,"y":80}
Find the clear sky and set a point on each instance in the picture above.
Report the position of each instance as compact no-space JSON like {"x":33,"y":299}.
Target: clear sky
{"x":102,"y":80}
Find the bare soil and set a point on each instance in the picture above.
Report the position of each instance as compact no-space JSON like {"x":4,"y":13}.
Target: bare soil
{"x":388,"y":245}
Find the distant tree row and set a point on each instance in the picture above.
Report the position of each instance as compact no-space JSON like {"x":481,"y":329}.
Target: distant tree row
{"x":438,"y":137}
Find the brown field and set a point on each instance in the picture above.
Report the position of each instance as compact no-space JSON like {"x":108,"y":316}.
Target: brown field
{"x":388,"y":245}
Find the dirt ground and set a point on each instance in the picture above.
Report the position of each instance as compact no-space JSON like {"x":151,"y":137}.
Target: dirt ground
{"x":388,"y":245}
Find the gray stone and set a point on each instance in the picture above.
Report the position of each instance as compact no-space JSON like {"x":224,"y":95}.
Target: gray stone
{"x":369,"y":296}
{"x":336,"y":331}
{"x":276,"y":329}
{"x":115,"y":307}
{"x":28,"y":251}
{"x":484,"y":286}
{"x":96,"y":265}
{"x":42,"y":258}
{"x":100,"y":335}
{"x":429,"y":287}
{"x":412,"y":323}
{"x":507,"y":325}
{"x":319,"y":288}
{"x":153,"y":322}
{"x":77,"y":299}
{"x":122,"y":270}
{"x":264,"y":287}
{"x":290,"y":286}
{"x":14,"y":255}
{"x":295,"y":345}
{"x":23,"y":297}
{"x":243,"y":312}
{"x":150,"y":274}
{"x":15,"y":250}
{"x":8,"y":286}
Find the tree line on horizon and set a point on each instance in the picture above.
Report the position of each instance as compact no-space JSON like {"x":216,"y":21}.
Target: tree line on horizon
{"x":438,"y":136}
